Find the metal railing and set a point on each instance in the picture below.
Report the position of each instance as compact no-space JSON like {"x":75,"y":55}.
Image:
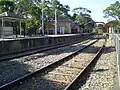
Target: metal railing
{"x":116,"y":39}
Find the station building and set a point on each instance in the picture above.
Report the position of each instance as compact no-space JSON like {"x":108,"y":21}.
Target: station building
{"x":110,"y":28}
{"x":77,"y":28}
{"x":63,"y":26}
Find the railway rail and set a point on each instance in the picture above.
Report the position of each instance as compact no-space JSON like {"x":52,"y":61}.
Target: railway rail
{"x":79,"y":78}
{"x":47,"y":70}
{"x":15,"y":68}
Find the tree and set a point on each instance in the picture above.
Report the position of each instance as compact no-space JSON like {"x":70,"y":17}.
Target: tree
{"x":32,"y":11}
{"x":23,"y":7}
{"x":113,"y":11}
{"x":62,"y":10}
{"x":81,"y":10}
{"x":6,"y":6}
{"x":82,"y":15}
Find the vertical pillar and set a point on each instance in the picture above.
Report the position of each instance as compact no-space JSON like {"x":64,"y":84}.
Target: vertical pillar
{"x":42,"y":23}
{"x":47,"y":32}
{"x":20,"y":29}
{"x":24,"y":29}
{"x":63,"y":30}
{"x":42,"y":17}
{"x":3,"y":27}
{"x":78,"y":29}
{"x":55,"y":21}
{"x":110,"y":32}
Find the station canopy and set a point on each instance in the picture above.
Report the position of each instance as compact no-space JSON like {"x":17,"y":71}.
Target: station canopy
{"x":7,"y":19}
{"x":10,"y":15}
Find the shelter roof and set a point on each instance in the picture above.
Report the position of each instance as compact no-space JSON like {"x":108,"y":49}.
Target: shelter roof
{"x":11,"y":15}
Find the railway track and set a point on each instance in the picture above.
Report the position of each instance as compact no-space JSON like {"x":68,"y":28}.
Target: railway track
{"x":49,"y":71}
{"x":18,"y":67}
{"x":80,"y":79}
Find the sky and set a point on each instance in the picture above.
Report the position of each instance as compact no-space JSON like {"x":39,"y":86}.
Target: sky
{"x":96,"y":6}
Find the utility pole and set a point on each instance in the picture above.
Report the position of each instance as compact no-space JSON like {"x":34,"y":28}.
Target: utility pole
{"x":55,"y":21}
{"x":42,"y":17}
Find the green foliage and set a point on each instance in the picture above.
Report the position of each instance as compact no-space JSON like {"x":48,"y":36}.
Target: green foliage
{"x":54,"y":4}
{"x":113,"y":11}
{"x":62,"y":10}
{"x":32,"y":11}
{"x":6,"y":6}
{"x":81,"y":10}
{"x":82,"y":15}
{"x":117,"y":27}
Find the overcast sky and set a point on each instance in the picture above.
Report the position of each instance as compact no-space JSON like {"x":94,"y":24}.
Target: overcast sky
{"x":96,"y":6}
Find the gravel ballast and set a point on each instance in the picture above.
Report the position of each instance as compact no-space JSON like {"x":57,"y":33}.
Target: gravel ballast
{"x":104,"y":74}
{"x":15,"y":68}
{"x":62,"y":75}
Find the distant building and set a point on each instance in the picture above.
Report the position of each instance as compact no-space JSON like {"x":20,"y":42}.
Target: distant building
{"x":77,"y":28}
{"x":110,"y":25}
{"x":110,"y":28}
{"x":11,"y":24}
{"x":63,"y":26}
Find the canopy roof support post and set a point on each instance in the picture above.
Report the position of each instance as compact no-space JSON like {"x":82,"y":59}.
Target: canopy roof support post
{"x":20,"y":29}
{"x":24,"y":29}
{"x":2,"y":28}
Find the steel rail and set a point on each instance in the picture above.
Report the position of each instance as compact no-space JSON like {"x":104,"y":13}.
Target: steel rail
{"x":18,"y":80}
{"x":73,"y":84}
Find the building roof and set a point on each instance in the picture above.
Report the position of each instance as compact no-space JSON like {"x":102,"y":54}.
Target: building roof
{"x":63,"y":19}
{"x":11,"y":15}
{"x":111,"y":23}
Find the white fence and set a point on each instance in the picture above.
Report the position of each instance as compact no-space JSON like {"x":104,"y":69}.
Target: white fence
{"x":116,"y":39}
